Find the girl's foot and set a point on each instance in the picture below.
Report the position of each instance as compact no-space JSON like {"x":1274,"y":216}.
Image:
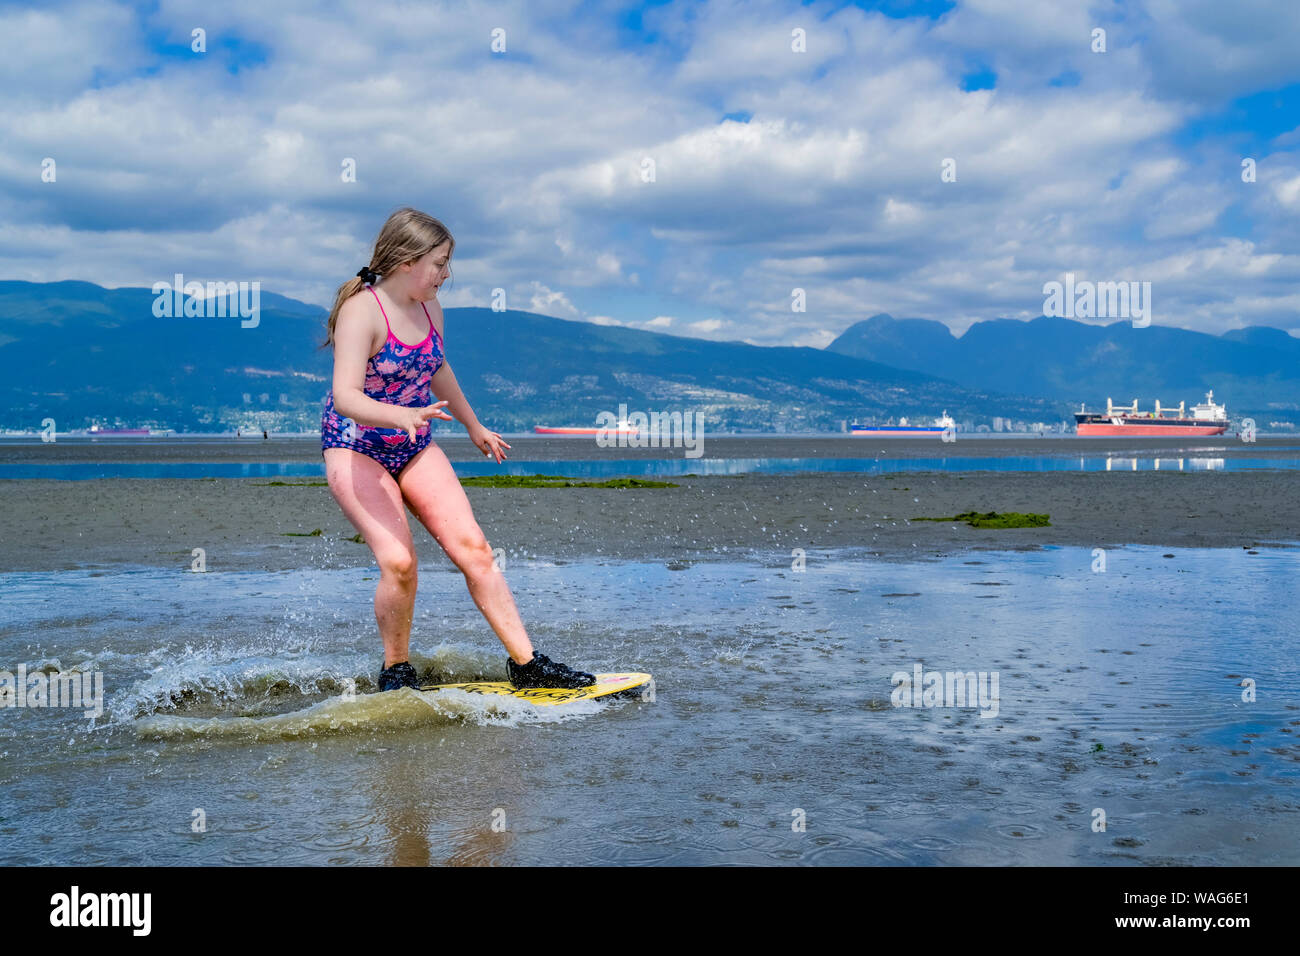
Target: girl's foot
{"x":541,"y":671}
{"x":399,"y":675}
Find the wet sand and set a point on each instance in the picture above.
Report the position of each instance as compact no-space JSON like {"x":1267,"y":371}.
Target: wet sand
{"x":247,"y":524}
{"x":1117,"y":691}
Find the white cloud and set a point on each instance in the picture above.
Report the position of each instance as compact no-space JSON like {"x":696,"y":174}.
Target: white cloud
{"x":228,"y":163}
{"x":705,"y":326}
{"x":547,"y":301}
{"x":1288,"y":192}
{"x":818,"y":339}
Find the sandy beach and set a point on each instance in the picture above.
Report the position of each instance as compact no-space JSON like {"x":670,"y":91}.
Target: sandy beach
{"x":248,"y":523}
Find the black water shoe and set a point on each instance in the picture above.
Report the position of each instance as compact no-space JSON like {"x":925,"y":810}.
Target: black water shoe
{"x":541,"y":671}
{"x":399,"y":675}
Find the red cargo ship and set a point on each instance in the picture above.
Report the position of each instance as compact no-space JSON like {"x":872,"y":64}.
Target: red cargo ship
{"x":622,"y":428}
{"x":1206,"y":419}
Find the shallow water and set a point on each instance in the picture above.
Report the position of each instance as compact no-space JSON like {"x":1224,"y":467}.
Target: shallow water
{"x":773,"y":696}
{"x":666,"y":467}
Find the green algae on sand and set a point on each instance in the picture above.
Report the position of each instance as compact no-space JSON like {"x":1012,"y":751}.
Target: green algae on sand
{"x":994,"y":519}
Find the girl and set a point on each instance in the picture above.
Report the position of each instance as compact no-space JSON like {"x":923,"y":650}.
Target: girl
{"x":379,"y":455}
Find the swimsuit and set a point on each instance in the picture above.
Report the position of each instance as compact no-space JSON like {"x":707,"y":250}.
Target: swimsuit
{"x":398,"y":375}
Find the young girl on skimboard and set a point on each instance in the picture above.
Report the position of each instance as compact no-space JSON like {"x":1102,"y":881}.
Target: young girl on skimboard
{"x":380,"y":457}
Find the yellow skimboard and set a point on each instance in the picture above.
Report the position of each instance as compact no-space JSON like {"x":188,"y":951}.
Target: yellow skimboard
{"x":605,"y":685}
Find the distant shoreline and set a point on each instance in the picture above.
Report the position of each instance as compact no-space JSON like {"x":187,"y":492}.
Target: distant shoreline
{"x":532,"y":447}
{"x":18,"y":438}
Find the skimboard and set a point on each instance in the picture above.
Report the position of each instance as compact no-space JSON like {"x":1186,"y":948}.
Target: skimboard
{"x":605,"y":685}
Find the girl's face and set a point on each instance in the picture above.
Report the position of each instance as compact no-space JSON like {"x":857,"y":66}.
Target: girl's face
{"x":430,"y":270}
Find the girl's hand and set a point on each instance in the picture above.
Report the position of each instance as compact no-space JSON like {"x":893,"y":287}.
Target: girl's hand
{"x":488,"y":442}
{"x":416,"y":419}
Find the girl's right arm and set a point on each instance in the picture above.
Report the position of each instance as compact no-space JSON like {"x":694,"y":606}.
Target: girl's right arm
{"x":354,"y":338}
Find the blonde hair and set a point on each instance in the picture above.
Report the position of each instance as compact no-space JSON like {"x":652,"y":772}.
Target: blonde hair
{"x":406,"y":236}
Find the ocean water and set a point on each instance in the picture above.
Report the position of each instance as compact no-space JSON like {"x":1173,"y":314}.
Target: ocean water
{"x":661,"y":468}
{"x":772,"y":735}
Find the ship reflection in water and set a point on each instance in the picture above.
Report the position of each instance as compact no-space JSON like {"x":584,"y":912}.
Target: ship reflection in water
{"x":662,"y":467}
{"x":1159,"y":464}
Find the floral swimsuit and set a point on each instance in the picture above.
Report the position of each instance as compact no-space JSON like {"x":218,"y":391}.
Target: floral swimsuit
{"x":399,"y":375}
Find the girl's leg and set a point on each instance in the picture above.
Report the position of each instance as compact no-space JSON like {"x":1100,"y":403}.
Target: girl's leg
{"x":435,"y":494}
{"x":372,"y":501}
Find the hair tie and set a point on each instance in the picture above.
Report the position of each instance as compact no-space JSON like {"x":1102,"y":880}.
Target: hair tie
{"x":368,"y":276}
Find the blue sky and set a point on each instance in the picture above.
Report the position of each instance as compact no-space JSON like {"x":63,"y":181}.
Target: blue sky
{"x":775,"y":168}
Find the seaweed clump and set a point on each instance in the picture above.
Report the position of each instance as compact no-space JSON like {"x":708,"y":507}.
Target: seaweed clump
{"x":995,"y":519}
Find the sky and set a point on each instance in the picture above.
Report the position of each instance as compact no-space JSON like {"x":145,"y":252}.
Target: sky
{"x":792,"y":146}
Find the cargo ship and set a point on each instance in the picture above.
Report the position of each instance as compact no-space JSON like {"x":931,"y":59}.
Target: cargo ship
{"x":622,"y":428}
{"x":118,"y":432}
{"x":903,"y":429}
{"x":1207,"y":418}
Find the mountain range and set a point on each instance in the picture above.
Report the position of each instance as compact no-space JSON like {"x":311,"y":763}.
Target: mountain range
{"x":86,"y":355}
{"x":82,"y":355}
{"x":1255,"y":370}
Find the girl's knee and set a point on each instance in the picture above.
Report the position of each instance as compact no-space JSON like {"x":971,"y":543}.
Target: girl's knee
{"x":474,"y":557}
{"x":400,"y":565}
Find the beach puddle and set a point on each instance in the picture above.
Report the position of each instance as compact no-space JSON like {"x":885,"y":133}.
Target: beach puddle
{"x":857,"y":711}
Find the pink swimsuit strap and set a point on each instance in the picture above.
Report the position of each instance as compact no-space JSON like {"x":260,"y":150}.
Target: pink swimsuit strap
{"x":389,"y":326}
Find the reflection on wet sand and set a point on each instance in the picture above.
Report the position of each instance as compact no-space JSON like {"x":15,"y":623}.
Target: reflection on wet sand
{"x":427,"y":823}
